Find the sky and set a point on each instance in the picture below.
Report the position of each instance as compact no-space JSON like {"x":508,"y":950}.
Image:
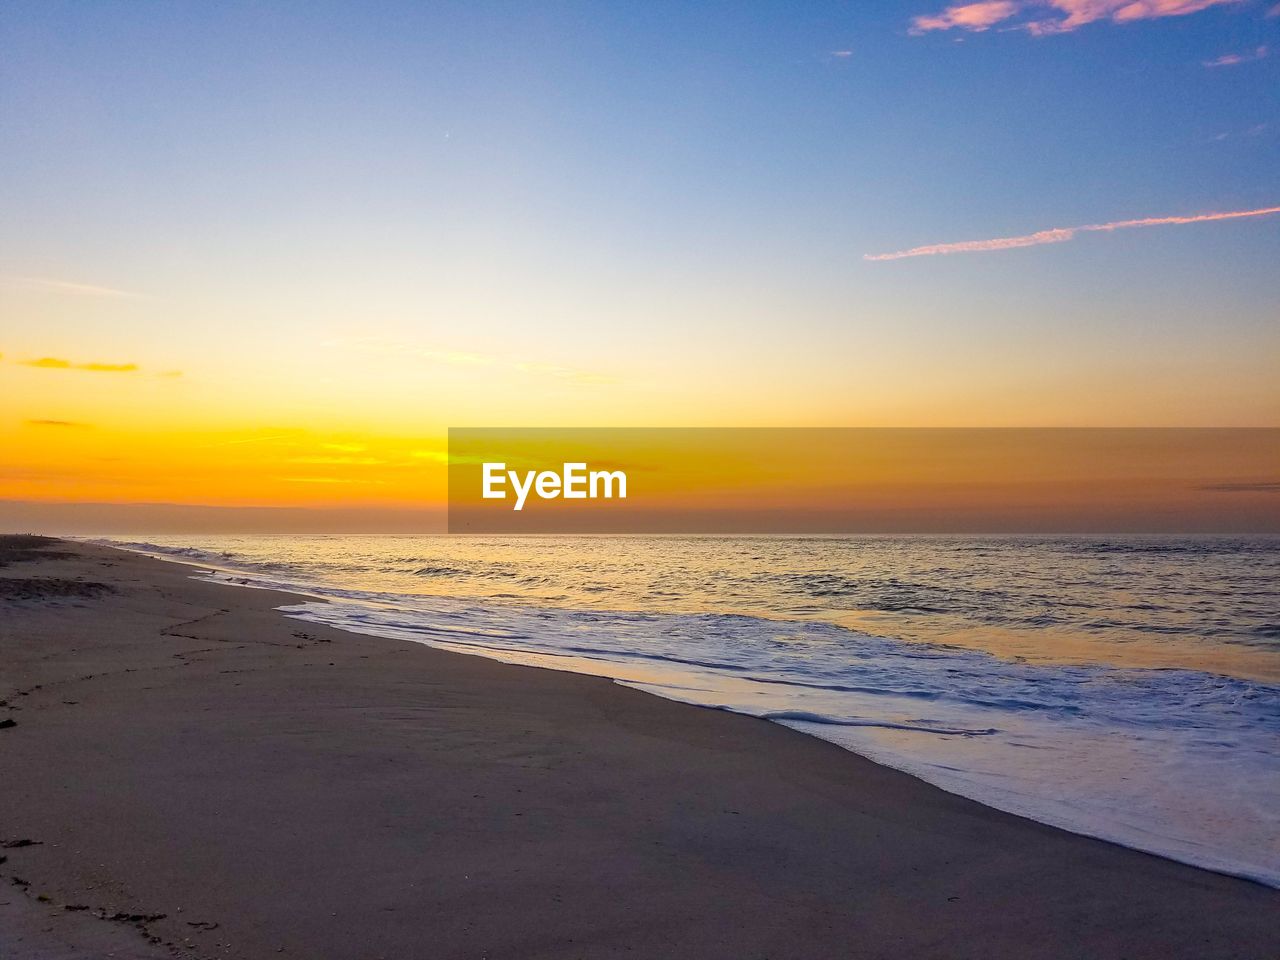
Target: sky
{"x":264,"y":255}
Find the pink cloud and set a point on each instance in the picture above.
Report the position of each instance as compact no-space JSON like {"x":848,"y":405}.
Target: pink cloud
{"x":1174,"y":221}
{"x":1233,"y":59}
{"x":1056,"y":235}
{"x":1066,"y":15}
{"x":1062,"y":234}
{"x":969,"y":16}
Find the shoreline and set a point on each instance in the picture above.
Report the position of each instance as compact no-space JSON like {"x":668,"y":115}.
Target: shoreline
{"x":190,"y":751}
{"x":1242,"y":666}
{"x":947,"y":769}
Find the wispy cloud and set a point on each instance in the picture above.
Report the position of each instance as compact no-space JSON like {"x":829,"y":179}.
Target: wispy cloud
{"x":1044,"y":17}
{"x":1260,"y":486}
{"x":56,"y":423}
{"x":339,"y":461}
{"x":93,"y":366}
{"x":1235,"y":59}
{"x":456,"y":358}
{"x":66,"y":286}
{"x":107,"y":367}
{"x":292,"y":434}
{"x":439,"y":456}
{"x":359,"y":480}
{"x":967,"y":16}
{"x":1257,"y":130}
{"x":1062,"y":234}
{"x":58,"y":363}
{"x":980,"y":246}
{"x":559,"y":372}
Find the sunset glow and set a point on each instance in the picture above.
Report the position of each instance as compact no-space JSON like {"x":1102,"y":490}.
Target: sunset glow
{"x":258,"y":294}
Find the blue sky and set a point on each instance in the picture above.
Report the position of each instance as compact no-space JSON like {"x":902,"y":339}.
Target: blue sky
{"x":631,"y":211}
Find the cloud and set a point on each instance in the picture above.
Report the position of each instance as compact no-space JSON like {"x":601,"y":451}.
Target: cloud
{"x":66,"y":286}
{"x":1234,"y":59}
{"x":439,"y":456}
{"x":292,"y":434}
{"x":334,"y":461}
{"x":55,"y":423}
{"x":108,"y":367}
{"x":455,"y":358}
{"x":1064,"y":16}
{"x":561,"y":373}
{"x":1062,"y":234}
{"x":361,"y":480}
{"x":968,"y":16}
{"x":1261,"y":486}
{"x":1257,"y":130}
{"x":57,"y":363}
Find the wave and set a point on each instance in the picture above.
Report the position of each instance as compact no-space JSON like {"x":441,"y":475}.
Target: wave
{"x":807,"y":716}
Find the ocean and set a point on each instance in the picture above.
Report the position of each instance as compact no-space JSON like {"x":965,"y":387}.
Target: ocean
{"x":1126,"y":688}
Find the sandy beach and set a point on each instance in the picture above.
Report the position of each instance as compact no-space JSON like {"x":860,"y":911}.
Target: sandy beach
{"x":189,"y":773}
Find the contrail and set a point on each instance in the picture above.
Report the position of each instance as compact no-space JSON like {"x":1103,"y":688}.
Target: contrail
{"x":1061,"y":234}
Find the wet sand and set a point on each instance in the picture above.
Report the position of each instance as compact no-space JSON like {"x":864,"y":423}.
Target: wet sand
{"x":185,"y":772}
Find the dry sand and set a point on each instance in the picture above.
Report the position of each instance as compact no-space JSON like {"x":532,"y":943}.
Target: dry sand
{"x":200,"y":776}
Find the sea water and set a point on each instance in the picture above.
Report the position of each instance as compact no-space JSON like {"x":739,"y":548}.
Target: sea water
{"x":1126,"y":688}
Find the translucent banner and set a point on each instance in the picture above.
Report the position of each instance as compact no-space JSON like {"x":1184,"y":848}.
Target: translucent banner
{"x":829,"y":480}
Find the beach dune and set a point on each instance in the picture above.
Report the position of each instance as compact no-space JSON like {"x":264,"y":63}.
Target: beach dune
{"x":184,"y":771}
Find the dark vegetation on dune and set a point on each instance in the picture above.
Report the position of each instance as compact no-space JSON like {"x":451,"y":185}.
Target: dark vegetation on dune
{"x":27,"y":548}
{"x":44,"y":588}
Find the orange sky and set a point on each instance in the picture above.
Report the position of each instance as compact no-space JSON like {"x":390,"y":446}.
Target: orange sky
{"x":847,"y":480}
{"x":98,"y":428}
